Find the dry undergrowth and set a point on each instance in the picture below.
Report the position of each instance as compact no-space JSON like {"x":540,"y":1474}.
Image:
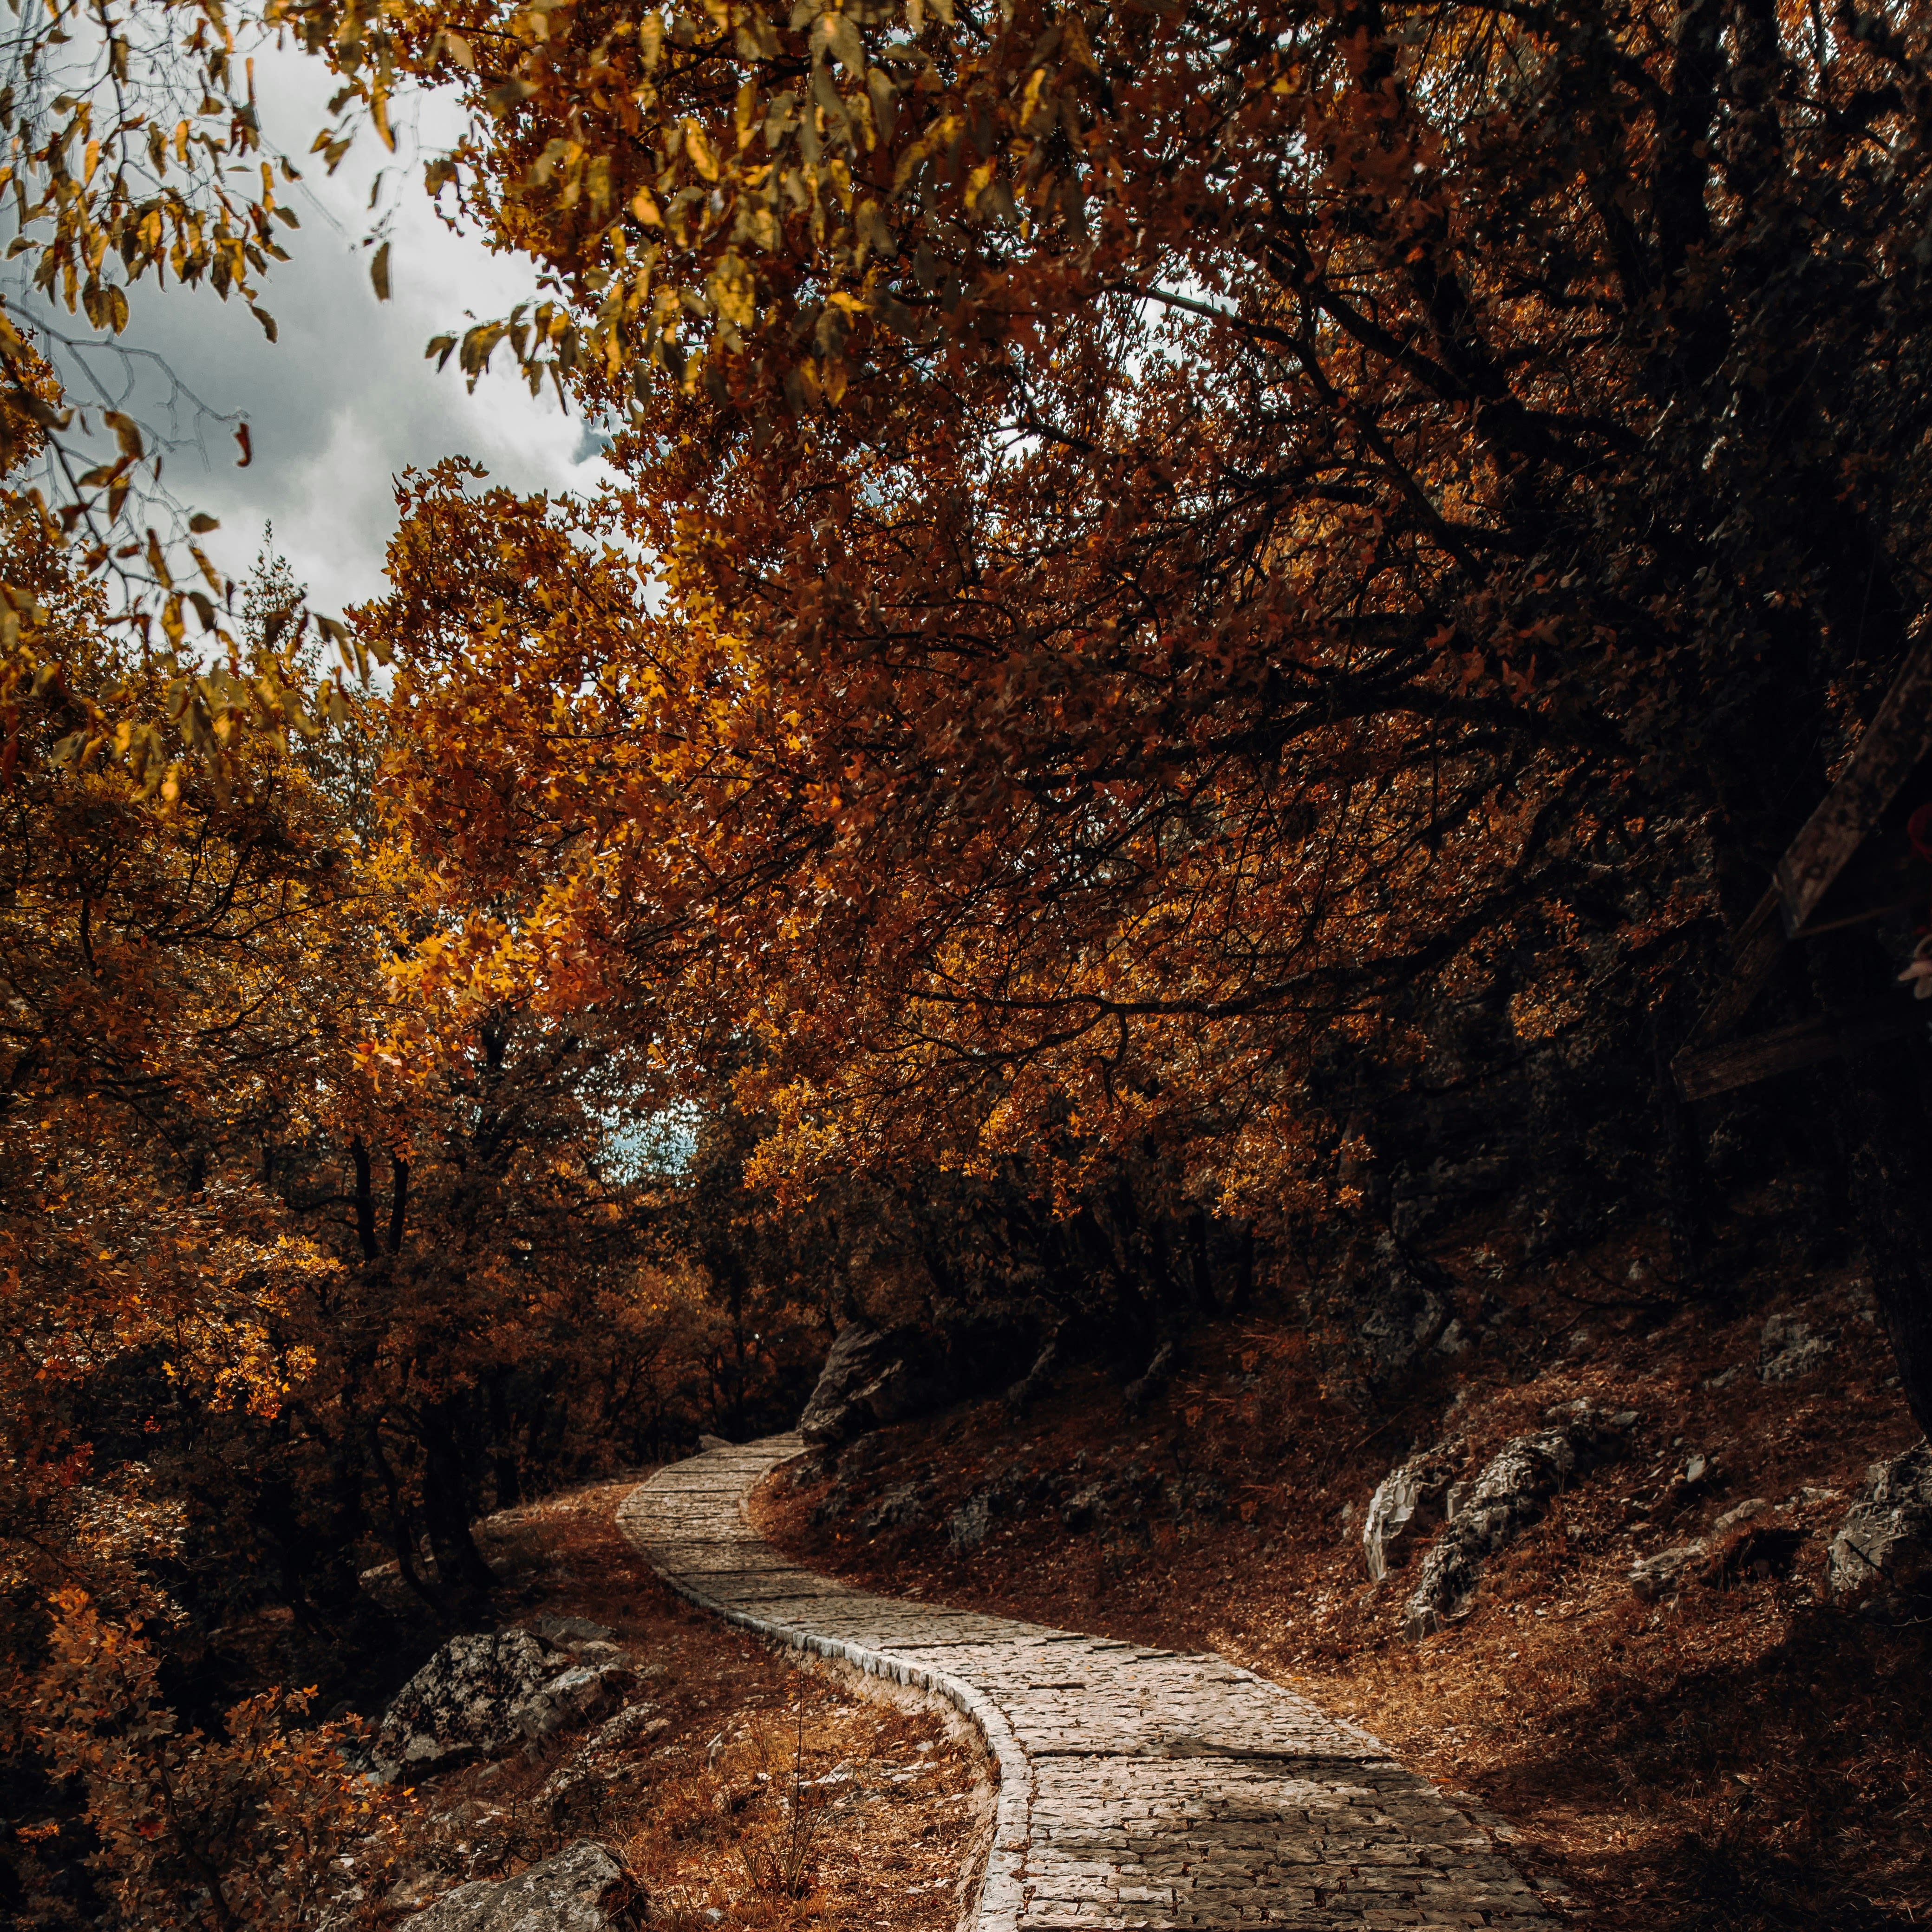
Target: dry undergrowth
{"x":759,"y":1795}
{"x":1745,"y":1755}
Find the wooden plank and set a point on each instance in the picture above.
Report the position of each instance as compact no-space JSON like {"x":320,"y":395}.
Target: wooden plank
{"x":1863,"y":915}
{"x":1895,"y":741}
{"x":1760,"y":941}
{"x":1720,"y":1069}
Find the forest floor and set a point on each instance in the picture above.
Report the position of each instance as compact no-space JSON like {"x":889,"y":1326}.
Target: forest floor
{"x":756,"y":1778}
{"x":1742,"y":1754}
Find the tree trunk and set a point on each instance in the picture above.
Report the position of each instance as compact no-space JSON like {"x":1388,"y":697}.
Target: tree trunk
{"x":402,"y":1539}
{"x":459,"y":1566}
{"x":502,"y":1448}
{"x":1885,"y":1135}
{"x":1890,"y":1146}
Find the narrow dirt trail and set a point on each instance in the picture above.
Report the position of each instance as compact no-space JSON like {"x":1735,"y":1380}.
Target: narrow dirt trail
{"x":1137,"y":1787}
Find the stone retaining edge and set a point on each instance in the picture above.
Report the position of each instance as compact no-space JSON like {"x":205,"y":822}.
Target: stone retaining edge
{"x":1002,"y":1887}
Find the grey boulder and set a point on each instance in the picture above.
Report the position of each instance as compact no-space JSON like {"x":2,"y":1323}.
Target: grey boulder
{"x":579,"y":1696}
{"x":1513,"y":1493}
{"x":1888,"y":1527}
{"x":872,"y":1377}
{"x":1406,"y":1303}
{"x":582,"y":1889}
{"x":1409,"y":1502}
{"x":569,"y":1632}
{"x":479,"y":1696}
{"x":1789,"y":1348}
{"x":631,"y":1727}
{"x":1656,"y":1577}
{"x":464,"y":1703}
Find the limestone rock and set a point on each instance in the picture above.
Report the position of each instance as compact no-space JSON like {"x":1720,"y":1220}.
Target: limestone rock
{"x":1405,"y":1306}
{"x":967,"y":1527}
{"x":904,"y":1503}
{"x":1408,"y":1502}
{"x":574,"y":1795}
{"x":594,"y":1652}
{"x":579,"y":1696}
{"x":569,"y":1632}
{"x":1513,"y":1492}
{"x":1654,"y":1576}
{"x":479,"y":1695}
{"x":582,"y":1889}
{"x":1888,"y":1527}
{"x":636,"y":1724}
{"x":872,"y":1377}
{"x":1789,"y":1348}
{"x":462,"y":1704}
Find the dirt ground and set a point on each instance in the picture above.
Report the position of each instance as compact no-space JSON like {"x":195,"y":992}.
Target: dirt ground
{"x":759,"y":1794}
{"x":1744,"y":1754}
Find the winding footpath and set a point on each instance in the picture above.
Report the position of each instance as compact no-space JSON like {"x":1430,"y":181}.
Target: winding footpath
{"x":1137,"y":1787}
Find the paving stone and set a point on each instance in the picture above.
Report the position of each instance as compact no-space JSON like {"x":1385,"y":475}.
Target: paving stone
{"x":1138,"y":1788}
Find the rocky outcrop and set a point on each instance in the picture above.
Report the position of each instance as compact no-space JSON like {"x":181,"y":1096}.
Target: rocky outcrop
{"x":1889,"y":1528}
{"x":1408,"y":1505}
{"x":462,"y":1704}
{"x":478,"y":1696}
{"x":1789,"y":1348}
{"x":569,"y":1632}
{"x":1513,"y":1492}
{"x":1134,"y":1499}
{"x":872,"y":1376}
{"x":1404,"y":1306}
{"x":579,"y":1696}
{"x":582,"y":1889}
{"x":1653,"y":1577}
{"x":574,"y":1794}
{"x":967,"y":1527}
{"x":1012,"y":1492}
{"x":903,"y":1504}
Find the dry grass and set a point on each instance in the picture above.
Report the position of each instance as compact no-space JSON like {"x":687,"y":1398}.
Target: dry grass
{"x":759,"y":1795}
{"x":1745,"y":1755}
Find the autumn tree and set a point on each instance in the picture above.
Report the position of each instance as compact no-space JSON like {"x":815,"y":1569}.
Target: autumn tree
{"x":267,"y":1314}
{"x":1191,"y":533}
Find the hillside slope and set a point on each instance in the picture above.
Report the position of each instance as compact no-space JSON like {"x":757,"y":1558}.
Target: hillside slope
{"x":1729,"y":1749}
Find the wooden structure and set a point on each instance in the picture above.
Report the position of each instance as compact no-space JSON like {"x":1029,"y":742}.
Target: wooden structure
{"x":1836,"y":873}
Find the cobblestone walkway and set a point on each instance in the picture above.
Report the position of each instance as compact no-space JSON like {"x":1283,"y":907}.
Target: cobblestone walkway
{"x":1137,"y":1787}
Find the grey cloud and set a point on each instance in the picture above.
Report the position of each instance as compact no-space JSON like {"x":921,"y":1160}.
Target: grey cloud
{"x":345,"y":399}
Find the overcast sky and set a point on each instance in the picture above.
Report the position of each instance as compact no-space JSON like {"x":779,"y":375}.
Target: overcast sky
{"x":344,"y":399}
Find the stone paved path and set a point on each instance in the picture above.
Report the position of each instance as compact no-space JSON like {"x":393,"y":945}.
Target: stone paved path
{"x":1137,"y":1787}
